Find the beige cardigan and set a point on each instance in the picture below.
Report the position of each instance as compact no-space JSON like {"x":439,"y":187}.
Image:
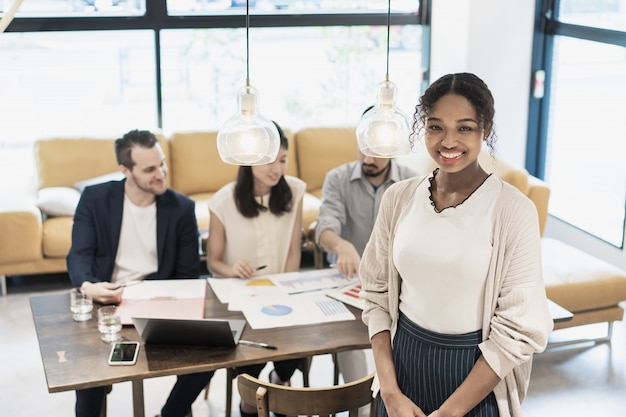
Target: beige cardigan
{"x":516,"y":321}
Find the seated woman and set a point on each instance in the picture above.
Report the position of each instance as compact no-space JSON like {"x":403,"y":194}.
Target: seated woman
{"x":256,"y":222}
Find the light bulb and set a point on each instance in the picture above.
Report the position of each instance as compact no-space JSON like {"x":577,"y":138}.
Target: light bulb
{"x":247,"y":138}
{"x":383,"y":131}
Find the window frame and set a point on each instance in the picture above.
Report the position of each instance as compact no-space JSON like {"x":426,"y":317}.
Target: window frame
{"x":547,"y":28}
{"x":156,"y":19}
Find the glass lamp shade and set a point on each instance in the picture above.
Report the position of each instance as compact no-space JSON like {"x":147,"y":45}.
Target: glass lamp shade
{"x":248,"y":138}
{"x":383,"y":131}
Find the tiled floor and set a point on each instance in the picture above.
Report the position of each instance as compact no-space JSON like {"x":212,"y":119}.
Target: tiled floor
{"x":584,"y":380}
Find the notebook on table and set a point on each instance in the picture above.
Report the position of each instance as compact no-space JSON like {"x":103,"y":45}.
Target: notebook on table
{"x":192,"y":332}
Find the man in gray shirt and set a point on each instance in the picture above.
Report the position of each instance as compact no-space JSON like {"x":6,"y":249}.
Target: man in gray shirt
{"x":351,"y":197}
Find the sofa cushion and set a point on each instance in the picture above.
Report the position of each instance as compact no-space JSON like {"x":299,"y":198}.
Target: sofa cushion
{"x":57,"y":236}
{"x":322,"y":149}
{"x":62,"y":162}
{"x":197,"y":167}
{"x":23,"y":225}
{"x":58,"y":201}
{"x":113,"y":176}
{"x":579,"y":281}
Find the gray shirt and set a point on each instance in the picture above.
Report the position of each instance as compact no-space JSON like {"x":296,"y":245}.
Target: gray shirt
{"x":350,"y":203}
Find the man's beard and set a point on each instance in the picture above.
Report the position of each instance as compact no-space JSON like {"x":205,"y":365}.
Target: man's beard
{"x":149,"y":190}
{"x":376,"y":173}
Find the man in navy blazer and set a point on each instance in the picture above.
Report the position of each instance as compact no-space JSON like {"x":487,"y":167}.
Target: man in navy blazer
{"x":96,"y":233}
{"x":132,"y":230}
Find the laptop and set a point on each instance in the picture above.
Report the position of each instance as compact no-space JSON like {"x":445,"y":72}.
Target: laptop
{"x":193,"y":332}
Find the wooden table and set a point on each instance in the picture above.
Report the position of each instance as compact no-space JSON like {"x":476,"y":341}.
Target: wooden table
{"x":74,"y":357}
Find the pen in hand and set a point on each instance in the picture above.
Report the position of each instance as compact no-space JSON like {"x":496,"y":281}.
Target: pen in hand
{"x":258,"y":268}
{"x":257,"y":344}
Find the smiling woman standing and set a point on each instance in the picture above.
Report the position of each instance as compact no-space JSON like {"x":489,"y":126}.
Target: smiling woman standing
{"x":455,"y":300}
{"x":256,"y":227}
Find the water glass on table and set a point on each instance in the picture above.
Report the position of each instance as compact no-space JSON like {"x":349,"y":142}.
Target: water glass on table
{"x":109,"y":324}
{"x":81,"y":305}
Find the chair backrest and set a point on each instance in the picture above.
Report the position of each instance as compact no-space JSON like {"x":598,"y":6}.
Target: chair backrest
{"x":308,"y":401}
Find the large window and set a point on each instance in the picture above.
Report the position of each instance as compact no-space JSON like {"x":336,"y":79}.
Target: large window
{"x":85,"y":67}
{"x":306,"y":76}
{"x":580,"y":140}
{"x":102,"y":67}
{"x":76,"y":83}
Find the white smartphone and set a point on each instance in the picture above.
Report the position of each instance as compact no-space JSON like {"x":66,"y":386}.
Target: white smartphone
{"x":124,"y":353}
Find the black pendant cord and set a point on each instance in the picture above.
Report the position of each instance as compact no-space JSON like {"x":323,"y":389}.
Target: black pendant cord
{"x":388,"y":32}
{"x":248,"y":44}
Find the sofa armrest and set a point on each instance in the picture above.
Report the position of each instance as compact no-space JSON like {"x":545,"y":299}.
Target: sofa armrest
{"x":539,"y":193}
{"x":21,"y":237}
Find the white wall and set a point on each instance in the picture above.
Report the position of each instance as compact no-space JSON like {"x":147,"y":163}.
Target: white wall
{"x":493,"y":39}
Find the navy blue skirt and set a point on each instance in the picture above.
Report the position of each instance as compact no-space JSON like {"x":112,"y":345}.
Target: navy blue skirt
{"x":430,"y":366}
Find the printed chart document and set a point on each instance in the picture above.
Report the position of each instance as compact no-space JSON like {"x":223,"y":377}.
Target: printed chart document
{"x":313,"y":280}
{"x":293,"y":310}
{"x":349,"y":295}
{"x":288,"y":299}
{"x":236,"y":291}
{"x":164,"y":298}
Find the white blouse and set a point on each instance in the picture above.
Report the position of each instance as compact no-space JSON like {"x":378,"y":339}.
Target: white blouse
{"x":436,"y":251}
{"x":262,"y":240}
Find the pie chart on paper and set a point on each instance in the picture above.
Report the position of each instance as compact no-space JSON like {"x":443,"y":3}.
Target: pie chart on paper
{"x":276,"y":310}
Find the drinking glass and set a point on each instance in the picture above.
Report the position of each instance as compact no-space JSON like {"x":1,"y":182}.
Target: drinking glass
{"x":81,"y":305}
{"x":109,"y":324}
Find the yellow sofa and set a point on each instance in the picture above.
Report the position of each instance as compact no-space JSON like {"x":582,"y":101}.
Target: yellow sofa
{"x":32,"y":243}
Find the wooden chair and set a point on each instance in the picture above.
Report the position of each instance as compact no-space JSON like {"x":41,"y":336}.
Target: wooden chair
{"x":304,"y":366}
{"x":322,"y":402}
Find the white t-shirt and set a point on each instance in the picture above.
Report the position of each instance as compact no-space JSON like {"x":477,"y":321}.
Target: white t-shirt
{"x":435,"y":252}
{"x":137,"y":249}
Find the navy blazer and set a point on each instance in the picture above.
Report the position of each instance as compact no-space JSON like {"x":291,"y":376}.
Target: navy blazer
{"x":96,"y":233}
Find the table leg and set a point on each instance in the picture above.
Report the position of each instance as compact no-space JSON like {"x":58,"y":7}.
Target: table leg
{"x":138,"y":403}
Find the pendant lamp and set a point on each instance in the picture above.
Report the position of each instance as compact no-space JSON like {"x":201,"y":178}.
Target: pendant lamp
{"x":383,"y":131}
{"x":248,"y":138}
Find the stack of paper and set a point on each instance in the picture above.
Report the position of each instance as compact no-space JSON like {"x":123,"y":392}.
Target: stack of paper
{"x":288,"y":299}
{"x":170,"y":298}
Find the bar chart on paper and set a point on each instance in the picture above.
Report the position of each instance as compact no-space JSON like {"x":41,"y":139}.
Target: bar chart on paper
{"x":331,"y":308}
{"x":349,"y":295}
{"x":314,"y":280}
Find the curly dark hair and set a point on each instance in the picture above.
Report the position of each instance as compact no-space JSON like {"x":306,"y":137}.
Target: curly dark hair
{"x":280,"y":196}
{"x":464,"y":84}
